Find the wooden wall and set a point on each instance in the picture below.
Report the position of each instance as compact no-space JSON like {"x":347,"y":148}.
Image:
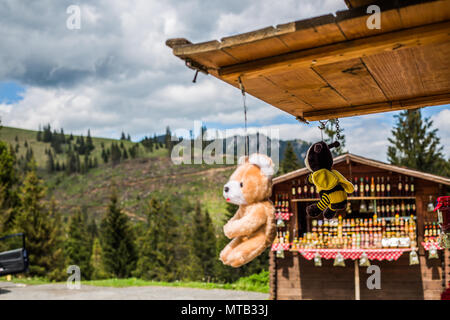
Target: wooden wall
{"x":294,"y":277}
{"x":298,"y":279}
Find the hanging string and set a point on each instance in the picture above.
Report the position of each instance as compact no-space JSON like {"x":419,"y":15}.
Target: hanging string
{"x":338,"y":130}
{"x":245,"y":115}
{"x":322,"y":127}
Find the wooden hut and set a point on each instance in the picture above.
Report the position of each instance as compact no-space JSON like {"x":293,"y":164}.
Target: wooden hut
{"x":293,"y":276}
{"x":341,"y":65}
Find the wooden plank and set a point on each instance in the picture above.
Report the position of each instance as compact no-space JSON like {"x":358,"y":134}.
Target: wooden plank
{"x":268,"y":91}
{"x":352,"y":80}
{"x":353,"y":23}
{"x":309,"y":87}
{"x":420,"y":36}
{"x":397,"y":74}
{"x":426,"y":12}
{"x":319,"y":31}
{"x":207,"y":54}
{"x":412,"y":103}
{"x":254,"y":45}
{"x":433,"y":65}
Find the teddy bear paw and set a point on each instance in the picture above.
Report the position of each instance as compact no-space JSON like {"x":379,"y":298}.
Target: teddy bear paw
{"x":228,"y":232}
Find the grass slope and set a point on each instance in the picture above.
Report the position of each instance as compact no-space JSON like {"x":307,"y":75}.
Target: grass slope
{"x":256,"y":283}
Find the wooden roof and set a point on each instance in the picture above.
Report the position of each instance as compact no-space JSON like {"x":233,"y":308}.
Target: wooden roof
{"x":333,"y":65}
{"x":372,"y":163}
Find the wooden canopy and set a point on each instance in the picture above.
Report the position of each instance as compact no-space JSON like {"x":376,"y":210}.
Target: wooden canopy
{"x":333,"y":65}
{"x":369,"y":162}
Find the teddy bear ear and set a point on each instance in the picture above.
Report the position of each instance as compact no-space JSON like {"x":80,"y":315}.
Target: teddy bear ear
{"x":242,"y":160}
{"x":264,"y":163}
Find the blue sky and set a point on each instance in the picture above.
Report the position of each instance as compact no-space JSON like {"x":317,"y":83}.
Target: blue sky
{"x":11,"y":92}
{"x":116,"y":74}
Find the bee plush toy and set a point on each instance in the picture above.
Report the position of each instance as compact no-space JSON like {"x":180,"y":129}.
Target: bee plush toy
{"x":330,"y":184}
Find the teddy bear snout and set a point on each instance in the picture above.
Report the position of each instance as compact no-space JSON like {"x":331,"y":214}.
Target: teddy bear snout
{"x":232,"y":193}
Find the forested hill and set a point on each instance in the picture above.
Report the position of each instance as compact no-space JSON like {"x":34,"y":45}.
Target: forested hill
{"x":79,"y":171}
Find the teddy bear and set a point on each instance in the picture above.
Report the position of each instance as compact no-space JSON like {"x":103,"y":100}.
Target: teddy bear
{"x":252,"y":229}
{"x":331,"y":185}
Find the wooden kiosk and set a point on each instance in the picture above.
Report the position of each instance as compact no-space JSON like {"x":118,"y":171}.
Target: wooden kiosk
{"x":296,"y":277}
{"x":336,"y":66}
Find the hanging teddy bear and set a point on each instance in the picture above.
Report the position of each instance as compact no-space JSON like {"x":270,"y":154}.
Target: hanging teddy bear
{"x":253,"y":226}
{"x":330,"y":184}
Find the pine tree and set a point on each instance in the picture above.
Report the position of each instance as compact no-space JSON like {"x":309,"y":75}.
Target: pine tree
{"x":40,"y":227}
{"x":117,"y":241}
{"x":78,"y":246}
{"x":290,"y":160}
{"x":157,"y":260}
{"x":125,"y":154}
{"x":89,"y":143}
{"x":116,"y":155}
{"x":50,"y":165}
{"x":122,"y":136}
{"x":98,"y":271}
{"x":415,"y":143}
{"x":168,"y":141}
{"x":9,"y":199}
{"x":204,"y":243}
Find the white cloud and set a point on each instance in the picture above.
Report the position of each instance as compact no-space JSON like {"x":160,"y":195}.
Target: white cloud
{"x":441,"y":121}
{"x":116,"y":73}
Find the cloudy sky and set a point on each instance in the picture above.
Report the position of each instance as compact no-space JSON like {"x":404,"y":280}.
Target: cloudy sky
{"x":115,"y":72}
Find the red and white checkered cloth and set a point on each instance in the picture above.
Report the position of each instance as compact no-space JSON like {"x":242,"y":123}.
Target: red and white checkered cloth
{"x":372,"y":254}
{"x":428,"y":245}
{"x":280,"y":246}
{"x":283,"y":215}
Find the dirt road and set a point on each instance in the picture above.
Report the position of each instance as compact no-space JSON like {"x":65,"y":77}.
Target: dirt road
{"x":13,"y":291}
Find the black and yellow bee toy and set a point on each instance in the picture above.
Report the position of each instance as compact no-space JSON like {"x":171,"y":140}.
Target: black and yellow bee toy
{"x":330,"y":184}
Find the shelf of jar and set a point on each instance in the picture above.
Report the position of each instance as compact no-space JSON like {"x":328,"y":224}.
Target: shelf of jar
{"x":360,"y":198}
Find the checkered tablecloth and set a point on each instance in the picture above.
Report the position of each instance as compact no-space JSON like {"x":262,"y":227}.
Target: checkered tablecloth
{"x":284,"y":216}
{"x":428,"y":245}
{"x":280,"y":246}
{"x":372,"y":254}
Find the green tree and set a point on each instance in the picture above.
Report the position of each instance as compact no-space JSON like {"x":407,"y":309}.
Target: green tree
{"x":415,"y":144}
{"x":290,"y":160}
{"x":117,"y":241}
{"x":78,"y":246}
{"x":204,"y":243}
{"x":157,"y":259}
{"x":41,"y":227}
{"x":98,"y":270}
{"x":89,"y":143}
{"x":50,"y":164}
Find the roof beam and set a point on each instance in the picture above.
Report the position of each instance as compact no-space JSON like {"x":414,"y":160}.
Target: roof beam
{"x":359,"y":48}
{"x":378,"y":107}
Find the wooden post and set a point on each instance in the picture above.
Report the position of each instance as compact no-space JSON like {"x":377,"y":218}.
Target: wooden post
{"x":357,"y":292}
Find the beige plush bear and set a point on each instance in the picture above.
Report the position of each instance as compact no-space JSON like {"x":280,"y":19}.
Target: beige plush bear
{"x":253,"y":226}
